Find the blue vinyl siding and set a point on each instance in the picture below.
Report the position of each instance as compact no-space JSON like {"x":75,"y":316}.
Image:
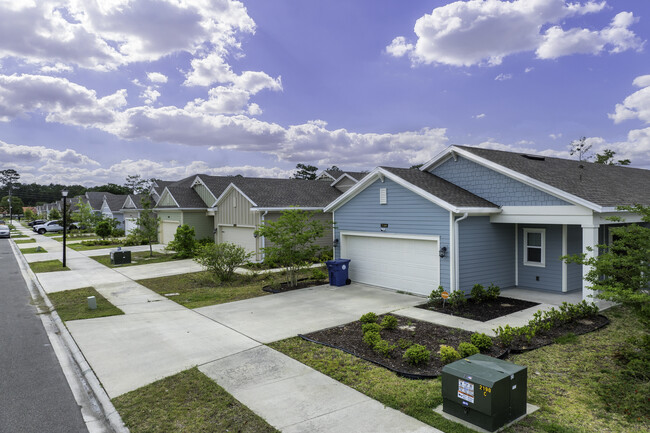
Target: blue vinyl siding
{"x":404,"y":212}
{"x":574,"y":246}
{"x":487,"y":253}
{"x":490,"y":185}
{"x":550,"y":276}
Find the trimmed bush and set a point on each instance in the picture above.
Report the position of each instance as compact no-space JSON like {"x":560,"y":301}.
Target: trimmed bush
{"x":457,"y":299}
{"x":448,"y":354}
{"x":417,"y":354}
{"x":384,"y":348}
{"x":369,"y":318}
{"x":222,"y":259}
{"x":184,"y":243}
{"x":371,"y":338}
{"x":467,"y":349}
{"x":505,"y":335}
{"x":492,"y":292}
{"x":371,"y":327}
{"x":404,"y":344}
{"x":481,"y":341}
{"x":436,"y":295}
{"x":389,"y":322}
{"x":478,"y":293}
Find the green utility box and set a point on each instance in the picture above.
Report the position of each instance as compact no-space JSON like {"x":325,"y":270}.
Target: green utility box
{"x":485,"y":391}
{"x":120,"y":257}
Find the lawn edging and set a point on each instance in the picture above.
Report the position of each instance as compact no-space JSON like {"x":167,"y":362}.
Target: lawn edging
{"x":97,"y":391}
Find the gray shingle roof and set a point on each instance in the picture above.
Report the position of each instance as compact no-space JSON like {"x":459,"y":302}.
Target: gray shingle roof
{"x":358,"y":175}
{"x":95,"y":198}
{"x":284,"y":193}
{"x":115,"y":201}
{"x":439,"y":187}
{"x":605,"y":185}
{"x":184,"y":194}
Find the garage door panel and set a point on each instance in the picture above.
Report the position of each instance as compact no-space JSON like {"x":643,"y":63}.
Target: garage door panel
{"x":242,"y":236}
{"x":168,"y":231}
{"x":399,"y":263}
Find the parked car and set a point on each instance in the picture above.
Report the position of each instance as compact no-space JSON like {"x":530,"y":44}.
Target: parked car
{"x":36,"y":223}
{"x":48,"y":227}
{"x":4,"y":231}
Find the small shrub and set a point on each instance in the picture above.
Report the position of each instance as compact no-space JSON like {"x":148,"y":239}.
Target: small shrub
{"x":389,"y":322}
{"x":369,"y":318}
{"x":478,"y":293}
{"x":457,"y":299}
{"x":448,"y":354}
{"x":184,"y":243}
{"x":370,"y":327}
{"x":103,"y":229}
{"x":222,"y":259}
{"x":436,"y":295}
{"x":492,"y":292}
{"x":318,"y":274}
{"x":133,"y":239}
{"x":404,"y":344}
{"x":117,"y":233}
{"x":505,"y":335}
{"x":467,"y":349}
{"x":481,"y":341}
{"x":384,"y":348}
{"x":371,"y":338}
{"x":417,"y":354}
{"x":205,"y":241}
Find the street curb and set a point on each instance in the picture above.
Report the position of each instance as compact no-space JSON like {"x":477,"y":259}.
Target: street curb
{"x":93,"y":385}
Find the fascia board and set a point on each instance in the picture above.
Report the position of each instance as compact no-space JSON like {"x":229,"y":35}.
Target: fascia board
{"x":280,"y":209}
{"x":341,"y":177}
{"x":230,"y":188}
{"x":439,"y":158}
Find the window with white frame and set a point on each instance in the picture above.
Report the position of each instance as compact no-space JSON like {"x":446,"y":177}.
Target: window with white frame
{"x":534,"y":247}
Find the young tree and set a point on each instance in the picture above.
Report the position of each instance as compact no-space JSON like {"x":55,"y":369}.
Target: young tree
{"x":29,"y":214}
{"x":221,"y":259}
{"x":580,"y":147}
{"x":86,"y":217}
{"x":103,"y":229}
{"x":291,"y":238}
{"x":307,"y":172}
{"x":607,"y":157}
{"x":184,"y":242}
{"x":55,"y":214}
{"x":147,"y":224}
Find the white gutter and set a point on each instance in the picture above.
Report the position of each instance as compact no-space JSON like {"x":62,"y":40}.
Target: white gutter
{"x":456,"y":251}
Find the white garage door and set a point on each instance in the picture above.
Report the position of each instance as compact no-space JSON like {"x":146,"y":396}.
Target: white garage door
{"x":242,"y":236}
{"x":129,"y":225}
{"x":401,"y":263}
{"x":167,"y":231}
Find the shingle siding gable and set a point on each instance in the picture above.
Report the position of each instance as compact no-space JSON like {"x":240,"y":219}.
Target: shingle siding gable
{"x":493,"y":186}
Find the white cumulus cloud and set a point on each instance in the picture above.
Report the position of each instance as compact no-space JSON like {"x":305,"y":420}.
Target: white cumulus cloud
{"x":635,"y":106}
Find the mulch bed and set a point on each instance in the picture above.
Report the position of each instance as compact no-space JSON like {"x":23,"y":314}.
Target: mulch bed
{"x":302,"y":284}
{"x":483,"y":311}
{"x":348,"y":338}
{"x":544,"y":338}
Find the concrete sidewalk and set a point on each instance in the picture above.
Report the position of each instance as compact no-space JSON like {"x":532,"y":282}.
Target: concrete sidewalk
{"x":157,"y":338}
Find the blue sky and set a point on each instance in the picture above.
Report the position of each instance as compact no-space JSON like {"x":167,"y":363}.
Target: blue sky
{"x":93,"y":91}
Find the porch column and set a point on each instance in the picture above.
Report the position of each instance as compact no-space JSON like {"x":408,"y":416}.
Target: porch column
{"x":589,"y":239}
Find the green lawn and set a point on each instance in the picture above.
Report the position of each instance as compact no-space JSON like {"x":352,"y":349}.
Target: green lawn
{"x":33,"y":250}
{"x":73,"y":304}
{"x":77,"y":237}
{"x":187,"y":402}
{"x":137,"y":258}
{"x":51,"y":234}
{"x":199,"y":289}
{"x":20,"y":236}
{"x":563,"y":379}
{"x":80,"y":247}
{"x":24,"y":241}
{"x":48,"y":266}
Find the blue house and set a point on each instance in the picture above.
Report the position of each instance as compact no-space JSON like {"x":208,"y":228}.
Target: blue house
{"x":473,"y":215}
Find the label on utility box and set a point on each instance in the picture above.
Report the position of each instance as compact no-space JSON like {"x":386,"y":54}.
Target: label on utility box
{"x":466,"y":391}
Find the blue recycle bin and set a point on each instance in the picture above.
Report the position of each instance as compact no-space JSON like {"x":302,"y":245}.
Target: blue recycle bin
{"x":338,"y":271}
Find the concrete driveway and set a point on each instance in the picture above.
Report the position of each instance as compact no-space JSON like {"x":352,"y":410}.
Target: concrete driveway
{"x":272,"y":318}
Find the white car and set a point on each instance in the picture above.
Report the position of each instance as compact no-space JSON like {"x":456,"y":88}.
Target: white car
{"x":50,"y":226}
{"x":4,"y":232}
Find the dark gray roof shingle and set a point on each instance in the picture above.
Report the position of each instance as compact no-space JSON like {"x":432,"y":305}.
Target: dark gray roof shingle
{"x":115,"y":201}
{"x":184,"y":194}
{"x":439,"y":187}
{"x":604,"y":185}
{"x":284,"y":193}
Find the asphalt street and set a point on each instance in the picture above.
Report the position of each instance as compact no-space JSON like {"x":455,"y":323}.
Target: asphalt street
{"x":34,"y":394}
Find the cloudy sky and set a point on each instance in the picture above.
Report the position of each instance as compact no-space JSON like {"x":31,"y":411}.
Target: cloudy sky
{"x":91,"y":91}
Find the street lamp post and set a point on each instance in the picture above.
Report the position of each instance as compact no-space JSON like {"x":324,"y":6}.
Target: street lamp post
{"x":64,"y":193}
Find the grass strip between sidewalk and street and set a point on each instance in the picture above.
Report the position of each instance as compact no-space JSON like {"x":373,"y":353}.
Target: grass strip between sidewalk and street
{"x":563,"y":379}
{"x":24,"y":241}
{"x":81,"y":247}
{"x":187,"y":402}
{"x":73,"y":304}
{"x":33,"y":250}
{"x":137,"y":258}
{"x":48,"y":266}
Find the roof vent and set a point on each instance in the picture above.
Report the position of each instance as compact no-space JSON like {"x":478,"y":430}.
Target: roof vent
{"x":534,"y":157}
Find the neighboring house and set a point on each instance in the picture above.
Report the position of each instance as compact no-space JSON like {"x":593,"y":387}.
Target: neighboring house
{"x":112,"y":207}
{"x":131,"y":211}
{"x":341,"y":180}
{"x":242,"y":204}
{"x":180,"y":204}
{"x":481,"y":216}
{"x":157,"y":188}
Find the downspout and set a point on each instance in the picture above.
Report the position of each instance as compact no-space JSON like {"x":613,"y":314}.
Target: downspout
{"x":263,"y":238}
{"x":456,"y":251}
